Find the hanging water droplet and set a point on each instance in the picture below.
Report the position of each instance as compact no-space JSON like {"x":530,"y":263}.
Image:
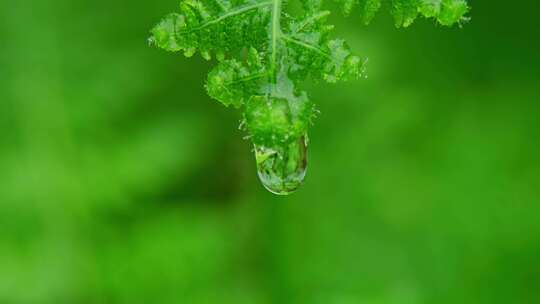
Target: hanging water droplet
{"x":282,"y":169}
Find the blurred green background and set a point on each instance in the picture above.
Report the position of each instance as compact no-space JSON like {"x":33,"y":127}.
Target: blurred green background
{"x":122,"y":182}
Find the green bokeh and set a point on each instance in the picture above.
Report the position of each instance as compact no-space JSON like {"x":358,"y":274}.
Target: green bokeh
{"x":122,"y":182}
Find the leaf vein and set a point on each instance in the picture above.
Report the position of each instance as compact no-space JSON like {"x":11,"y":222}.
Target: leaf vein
{"x":307,"y":46}
{"x":235,"y":12}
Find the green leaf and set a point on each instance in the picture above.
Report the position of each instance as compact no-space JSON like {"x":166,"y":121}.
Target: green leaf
{"x":232,"y":82}
{"x":274,"y":121}
{"x":447,"y":12}
{"x":405,"y":12}
{"x":208,"y":26}
{"x":367,"y":8}
{"x":315,"y":55}
{"x":264,"y":55}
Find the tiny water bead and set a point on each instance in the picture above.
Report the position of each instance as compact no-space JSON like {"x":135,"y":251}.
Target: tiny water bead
{"x":282,"y":169}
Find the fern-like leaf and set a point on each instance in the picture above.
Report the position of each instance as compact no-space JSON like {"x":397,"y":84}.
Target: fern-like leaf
{"x":219,"y":26}
{"x":264,"y":54}
{"x":405,"y":12}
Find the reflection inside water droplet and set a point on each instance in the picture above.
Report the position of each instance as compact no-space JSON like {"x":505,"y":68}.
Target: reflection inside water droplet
{"x":282,"y":169}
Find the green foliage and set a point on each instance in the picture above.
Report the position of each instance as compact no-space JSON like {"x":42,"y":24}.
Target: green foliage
{"x":445,"y":12}
{"x":282,"y":52}
{"x":275,"y":121}
{"x":233,"y":82}
{"x":265,"y":54}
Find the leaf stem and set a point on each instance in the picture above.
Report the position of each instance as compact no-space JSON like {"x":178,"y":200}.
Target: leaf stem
{"x":275,"y":33}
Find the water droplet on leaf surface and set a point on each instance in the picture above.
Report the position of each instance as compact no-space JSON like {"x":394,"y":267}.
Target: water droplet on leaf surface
{"x":282,"y":169}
